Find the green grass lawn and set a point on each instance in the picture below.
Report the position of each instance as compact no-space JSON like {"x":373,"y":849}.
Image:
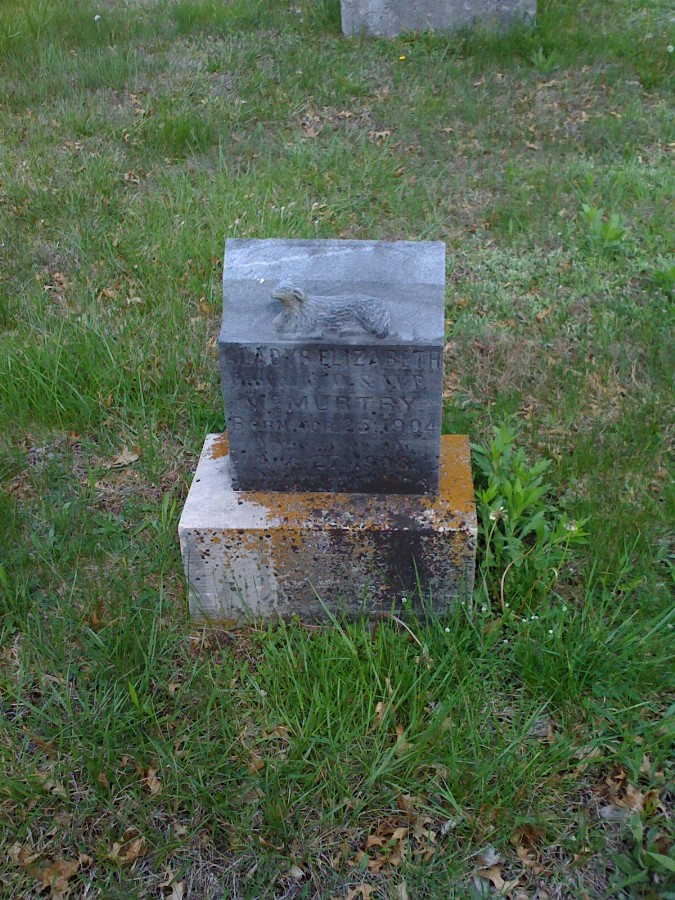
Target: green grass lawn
{"x":525,"y":746}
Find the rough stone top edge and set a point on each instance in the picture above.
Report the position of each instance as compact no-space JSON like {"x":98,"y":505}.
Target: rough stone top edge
{"x":212,"y":503}
{"x":403,"y":262}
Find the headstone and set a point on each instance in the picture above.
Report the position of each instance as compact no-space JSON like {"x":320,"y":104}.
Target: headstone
{"x":332,"y":489}
{"x":388,"y":18}
{"x":331,"y":356}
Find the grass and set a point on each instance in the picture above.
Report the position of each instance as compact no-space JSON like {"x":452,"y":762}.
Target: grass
{"x":145,"y":756}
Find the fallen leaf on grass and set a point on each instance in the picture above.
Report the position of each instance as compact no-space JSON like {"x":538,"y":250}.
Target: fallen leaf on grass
{"x":529,"y":858}
{"x":280,"y":731}
{"x":527,"y":834}
{"x":525,"y":839}
{"x":390,"y":848}
{"x":265,"y":843}
{"x":402,"y":891}
{"x":543,"y":314}
{"x":125,"y":458}
{"x":22,"y":855}
{"x":363,"y":890}
{"x":50,"y":784}
{"x":494,"y":874}
{"x":152,"y":782}
{"x":586,"y":755}
{"x":256,"y":764}
{"x":296,"y":872}
{"x":623,"y":795}
{"x":132,"y":846}
{"x":402,"y":746}
{"x":611,"y":814}
{"x":57,"y":877}
{"x":171,"y":889}
{"x":47,"y":746}
{"x":380,"y":712}
{"x":489,"y":858}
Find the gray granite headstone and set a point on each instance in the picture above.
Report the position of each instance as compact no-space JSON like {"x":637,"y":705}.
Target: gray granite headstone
{"x":331,"y":356}
{"x":387,"y":18}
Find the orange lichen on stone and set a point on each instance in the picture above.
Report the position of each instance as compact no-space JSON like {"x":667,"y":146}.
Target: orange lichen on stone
{"x":455,"y":483}
{"x":220,"y":447}
{"x":454,"y":501}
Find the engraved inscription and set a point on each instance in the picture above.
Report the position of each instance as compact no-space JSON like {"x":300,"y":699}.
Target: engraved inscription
{"x":342,"y":391}
{"x":350,"y":416}
{"x":397,"y":368}
{"x":305,"y":316}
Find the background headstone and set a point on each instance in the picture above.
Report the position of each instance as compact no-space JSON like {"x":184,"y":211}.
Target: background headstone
{"x":387,"y":18}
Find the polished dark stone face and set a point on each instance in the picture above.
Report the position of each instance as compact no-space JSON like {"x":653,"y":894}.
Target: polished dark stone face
{"x":343,"y":410}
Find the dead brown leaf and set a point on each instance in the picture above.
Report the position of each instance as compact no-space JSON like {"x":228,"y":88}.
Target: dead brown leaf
{"x":402,"y":891}
{"x":362,"y":890}
{"x":265,"y":843}
{"x":529,"y":858}
{"x":494,"y":875}
{"x":402,"y":746}
{"x":390,"y":844}
{"x":57,"y":877}
{"x":380,"y":712}
{"x":152,"y":782}
{"x":50,"y":784}
{"x":527,"y":834}
{"x":256,"y":764}
{"x":22,"y":855}
{"x":489,"y":858}
{"x":171,"y":889}
{"x":177,"y":891}
{"x":47,"y":746}
{"x":130,"y":848}
{"x":125,"y":458}
{"x":281,"y":731}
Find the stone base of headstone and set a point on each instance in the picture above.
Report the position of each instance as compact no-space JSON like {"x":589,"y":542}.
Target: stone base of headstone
{"x":268,"y":555}
{"x":388,"y":18}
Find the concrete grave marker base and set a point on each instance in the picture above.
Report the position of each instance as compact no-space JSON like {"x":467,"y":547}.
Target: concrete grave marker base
{"x":265,"y":554}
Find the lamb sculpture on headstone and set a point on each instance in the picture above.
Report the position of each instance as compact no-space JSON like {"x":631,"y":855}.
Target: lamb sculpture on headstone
{"x":304,"y":316}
